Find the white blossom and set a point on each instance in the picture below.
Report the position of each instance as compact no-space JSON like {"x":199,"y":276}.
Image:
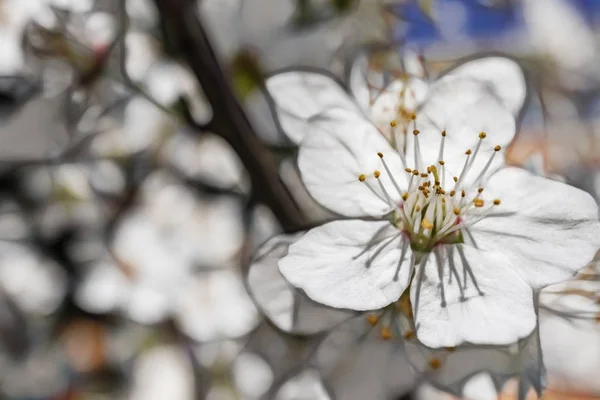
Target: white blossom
{"x":469,"y":238}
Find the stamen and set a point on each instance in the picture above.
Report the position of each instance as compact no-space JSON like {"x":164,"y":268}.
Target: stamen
{"x":454,"y":272}
{"x":387,"y":169}
{"x":468,"y":270}
{"x":362,"y":177}
{"x":379,"y":250}
{"x":405,"y":242}
{"x":372,"y":319}
{"x":487,"y":165}
{"x":478,"y":203}
{"x":440,"y":276}
{"x":421,"y":274}
{"x":417,"y":148}
{"x":464,"y":170}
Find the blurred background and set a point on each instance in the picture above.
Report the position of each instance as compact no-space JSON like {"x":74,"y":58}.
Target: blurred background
{"x":142,"y":165}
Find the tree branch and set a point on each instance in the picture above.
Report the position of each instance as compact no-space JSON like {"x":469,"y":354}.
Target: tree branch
{"x":180,"y":20}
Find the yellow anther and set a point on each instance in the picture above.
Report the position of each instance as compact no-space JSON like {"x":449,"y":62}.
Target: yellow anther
{"x":497,"y":148}
{"x":444,"y":133}
{"x":428,"y":170}
{"x":413,"y":116}
{"x":468,"y":152}
{"x":416,"y":132}
{"x":442,"y":162}
{"x":408,"y":170}
{"x":463,"y":193}
{"x":452,"y":193}
{"x":421,"y":188}
{"x":380,"y":154}
{"x":478,"y":202}
{"x":435,"y":363}
{"x":415,"y":172}
{"x":456,"y":211}
{"x":372,"y":319}
{"x":479,"y":190}
{"x":423,"y":175}
{"x":376,"y":174}
{"x":418,"y":208}
{"x":405,"y":196}
{"x":437,"y":183}
{"x":482,"y":135}
{"x":362,"y":177}
{"x":443,"y":198}
{"x":409,"y":335}
{"x":393,"y":123}
{"x":497,"y":202}
{"x":455,"y":178}
{"x":386,"y":333}
{"x":426,"y":224}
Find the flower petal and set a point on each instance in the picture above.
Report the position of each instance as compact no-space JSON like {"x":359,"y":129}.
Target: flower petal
{"x":388,"y":105}
{"x":341,"y":146}
{"x":463,"y":108}
{"x":477,"y":300}
{"x":301,"y":95}
{"x":546,"y":229}
{"x":358,"y":364}
{"x":503,"y":75}
{"x":350,"y":264}
{"x":288,"y":309}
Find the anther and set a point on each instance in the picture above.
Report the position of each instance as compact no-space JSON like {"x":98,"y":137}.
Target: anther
{"x":421,"y":188}
{"x":418,"y":208}
{"x":456,"y":211}
{"x":380,"y":154}
{"x":393,"y":123}
{"x":409,"y":335}
{"x":413,"y":116}
{"x":437,"y":183}
{"x":405,"y":196}
{"x":362,"y":177}
{"x":455,"y":178}
{"x":415,"y":172}
{"x":479,"y":190}
{"x":497,"y":148}
{"x":463,"y":193}
{"x":444,"y":133}
{"x":426,"y":224}
{"x":386,"y":333}
{"x":423,"y":175}
{"x":442,"y":162}
{"x":435,"y":363}
{"x":376,"y":174}
{"x":372,"y":319}
{"x":452,"y":193}
{"x":497,"y":202}
{"x":408,"y":170}
{"x":416,"y":132}
{"x":428,"y":170}
{"x":478,"y":202}
{"x":468,"y":152}
{"x":482,"y":135}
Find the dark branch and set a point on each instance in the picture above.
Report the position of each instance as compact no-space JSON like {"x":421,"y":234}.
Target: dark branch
{"x":186,"y":33}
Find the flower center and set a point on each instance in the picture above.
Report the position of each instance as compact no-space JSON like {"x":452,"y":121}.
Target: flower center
{"x":433,"y":211}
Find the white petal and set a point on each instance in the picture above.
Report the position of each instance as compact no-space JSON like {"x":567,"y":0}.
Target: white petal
{"x":546,"y":229}
{"x":503,"y":75}
{"x":289,"y":310}
{"x":463,"y":108}
{"x":358,"y":364}
{"x":386,"y":106}
{"x":301,"y":95}
{"x":305,"y":385}
{"x":502,"y":315}
{"x":340,"y":147}
{"x":337,"y":264}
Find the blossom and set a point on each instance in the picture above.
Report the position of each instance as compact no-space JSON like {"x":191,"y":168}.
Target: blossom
{"x":467,"y":237}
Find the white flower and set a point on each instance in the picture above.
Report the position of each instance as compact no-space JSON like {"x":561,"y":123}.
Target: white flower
{"x":468,"y":238}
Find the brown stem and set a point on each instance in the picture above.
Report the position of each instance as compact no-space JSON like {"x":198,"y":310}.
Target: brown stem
{"x":229,"y":121}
